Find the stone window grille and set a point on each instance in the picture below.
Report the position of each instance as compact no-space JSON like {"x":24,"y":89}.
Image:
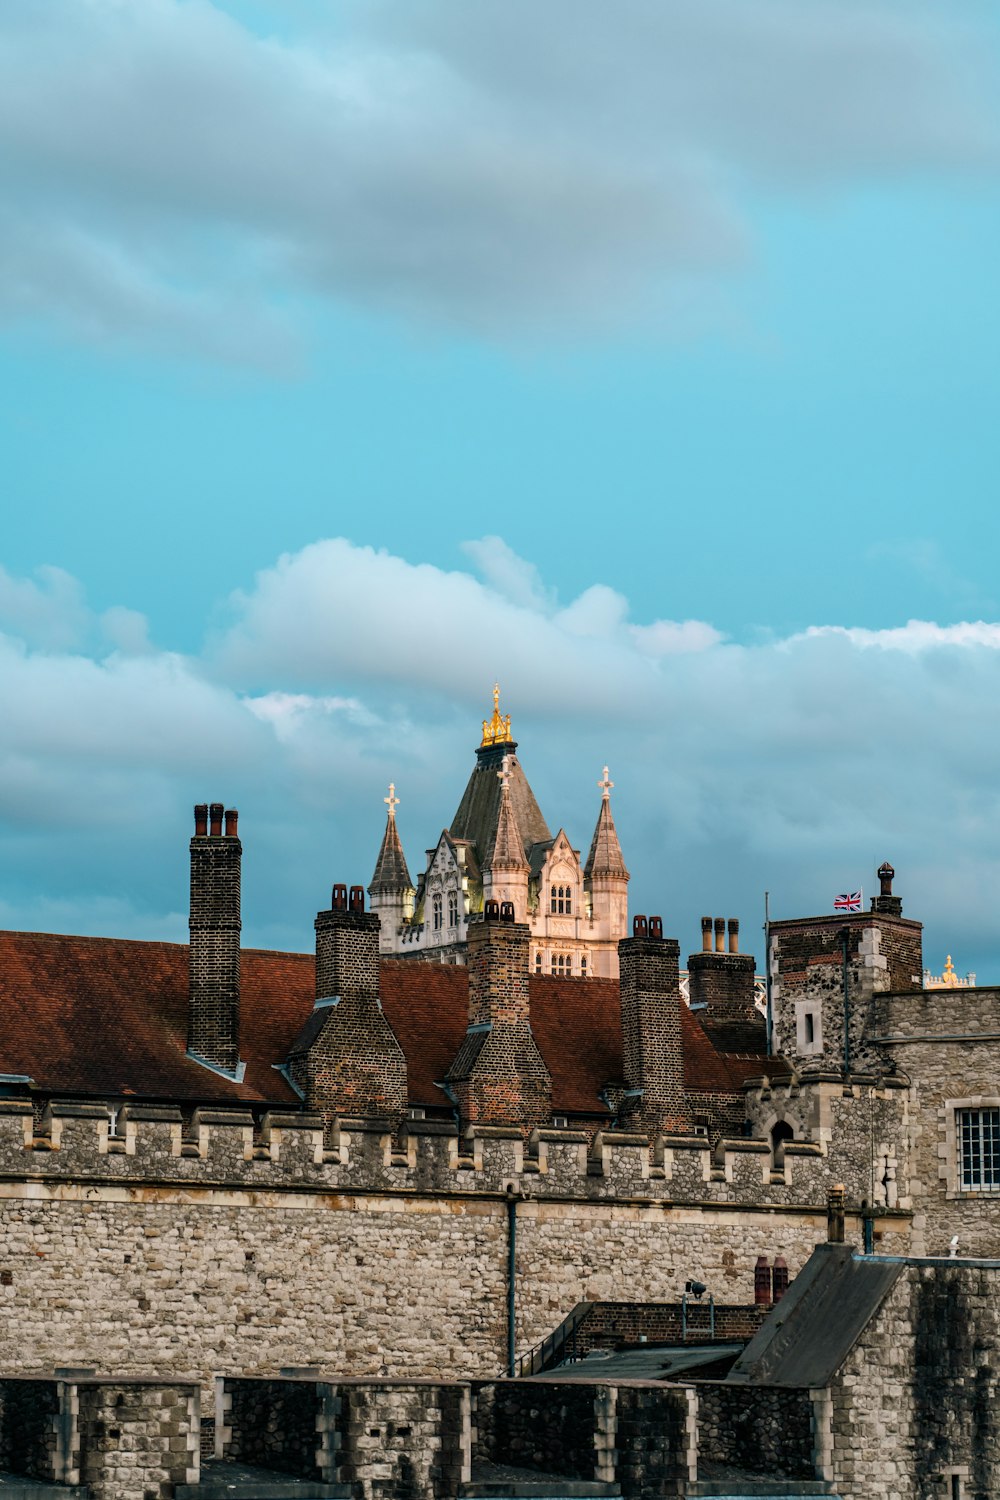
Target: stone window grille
{"x":452,"y":910}
{"x":561,"y":901}
{"x":438,"y":913}
{"x":979,"y":1145}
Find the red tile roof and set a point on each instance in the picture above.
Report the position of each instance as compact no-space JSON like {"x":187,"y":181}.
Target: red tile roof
{"x":106,"y":1016}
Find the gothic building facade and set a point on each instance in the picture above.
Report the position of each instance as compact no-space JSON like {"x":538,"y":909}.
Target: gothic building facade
{"x":499,"y":847}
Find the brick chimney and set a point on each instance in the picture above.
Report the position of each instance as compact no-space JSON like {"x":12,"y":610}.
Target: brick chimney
{"x":346,"y":1059}
{"x":499,"y":1077}
{"x":214,"y":952}
{"x":651,"y":1028}
{"x":720,"y":980}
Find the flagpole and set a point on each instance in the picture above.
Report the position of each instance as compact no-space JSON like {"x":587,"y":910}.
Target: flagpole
{"x":767,"y":972}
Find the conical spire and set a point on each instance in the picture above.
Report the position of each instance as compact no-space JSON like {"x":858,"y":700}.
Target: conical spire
{"x":391,"y":873}
{"x":605,"y":857}
{"x":508,"y":850}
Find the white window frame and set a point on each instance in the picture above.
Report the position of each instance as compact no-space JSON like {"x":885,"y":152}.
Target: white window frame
{"x":958,"y":1183}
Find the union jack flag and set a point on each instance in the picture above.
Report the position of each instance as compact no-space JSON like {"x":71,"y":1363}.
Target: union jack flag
{"x":848,"y":901}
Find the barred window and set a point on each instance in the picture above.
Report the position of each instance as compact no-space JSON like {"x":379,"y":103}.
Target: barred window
{"x":979,"y":1144}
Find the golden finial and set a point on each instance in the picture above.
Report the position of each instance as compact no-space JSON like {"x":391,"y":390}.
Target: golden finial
{"x":496,"y":731}
{"x":949,"y":976}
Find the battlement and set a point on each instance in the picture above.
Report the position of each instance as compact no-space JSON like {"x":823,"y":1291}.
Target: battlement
{"x":152,"y":1147}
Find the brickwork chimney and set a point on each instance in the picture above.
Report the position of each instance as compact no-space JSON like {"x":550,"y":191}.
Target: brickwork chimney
{"x":346,"y":1059}
{"x":722,"y":982}
{"x":651,"y":1028}
{"x":214,"y":952}
{"x":499,"y":1077}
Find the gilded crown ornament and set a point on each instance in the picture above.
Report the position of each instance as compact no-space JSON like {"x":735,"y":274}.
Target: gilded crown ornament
{"x":496,"y":731}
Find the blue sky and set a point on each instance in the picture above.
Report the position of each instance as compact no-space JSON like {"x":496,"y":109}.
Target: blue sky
{"x":647,"y":362}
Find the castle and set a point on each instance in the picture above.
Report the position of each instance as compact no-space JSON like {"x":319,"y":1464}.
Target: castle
{"x":219,"y":1163}
{"x":499,"y":848}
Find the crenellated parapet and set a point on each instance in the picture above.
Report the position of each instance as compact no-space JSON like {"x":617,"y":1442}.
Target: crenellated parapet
{"x":858,"y":1128}
{"x":146,"y":1149}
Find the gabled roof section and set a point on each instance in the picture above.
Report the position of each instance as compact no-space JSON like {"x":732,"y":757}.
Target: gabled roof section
{"x":479,"y":810}
{"x":391,"y":874}
{"x":808,"y":1335}
{"x":605,"y":857}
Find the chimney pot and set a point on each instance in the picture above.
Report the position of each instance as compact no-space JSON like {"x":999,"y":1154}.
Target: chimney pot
{"x":656,"y":927}
{"x":762,"y":1282}
{"x":357,"y":899}
{"x":491,"y":910}
{"x":639,"y":928}
{"x":215,"y":813}
{"x":720,"y":934}
{"x":200,"y":819}
{"x":706,"y":934}
{"x":232,"y":817}
{"x":734,"y":935}
{"x":779,"y":1278}
{"x":506,"y":911}
{"x":338,"y":900}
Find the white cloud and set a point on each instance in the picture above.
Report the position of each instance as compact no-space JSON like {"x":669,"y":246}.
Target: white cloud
{"x":169,"y":175}
{"x":794,"y":765}
{"x":47,"y":610}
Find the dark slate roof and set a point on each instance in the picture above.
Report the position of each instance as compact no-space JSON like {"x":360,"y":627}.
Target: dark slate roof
{"x":479,"y":809}
{"x":808,"y":1335}
{"x":108,"y":1017}
{"x":391,"y":873}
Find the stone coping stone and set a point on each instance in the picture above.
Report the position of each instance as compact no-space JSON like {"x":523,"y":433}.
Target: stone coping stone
{"x":18,"y":1487}
{"x":738,"y":1489}
{"x":553,"y":1488}
{"x":221,"y":1480}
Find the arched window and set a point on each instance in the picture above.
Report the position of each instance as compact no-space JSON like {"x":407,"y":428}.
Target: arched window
{"x":438,"y":912}
{"x":452,"y":910}
{"x":562,"y":965}
{"x":583,"y":967}
{"x":538,"y":962}
{"x":561,"y":900}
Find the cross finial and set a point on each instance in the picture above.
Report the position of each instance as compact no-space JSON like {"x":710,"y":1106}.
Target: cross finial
{"x":606,"y":784}
{"x":504,"y":773}
{"x":392,"y":800}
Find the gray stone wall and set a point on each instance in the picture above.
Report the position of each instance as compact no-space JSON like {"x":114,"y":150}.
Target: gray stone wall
{"x":947,"y":1044}
{"x":762,"y":1430}
{"x":917,"y":1396}
{"x":136,"y":1440}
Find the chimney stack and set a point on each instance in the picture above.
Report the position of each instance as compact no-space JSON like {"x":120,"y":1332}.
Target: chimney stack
{"x":346,"y":1059}
{"x":499,"y":1076}
{"x":651,"y":1027}
{"x":722,"y":982}
{"x":214,"y":951}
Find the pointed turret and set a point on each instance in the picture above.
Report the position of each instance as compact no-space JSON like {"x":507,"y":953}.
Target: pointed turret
{"x":605,"y":877}
{"x":391,"y":889}
{"x":505,"y":872}
{"x":605,"y":857}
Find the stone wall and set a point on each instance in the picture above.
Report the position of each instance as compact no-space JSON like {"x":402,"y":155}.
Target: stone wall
{"x":917,"y":1397}
{"x":762,"y":1430}
{"x":947,"y":1044}
{"x":404,"y":1439}
{"x":279,"y":1424}
{"x":230,"y":1248}
{"x":135,"y":1440}
{"x":548,"y":1426}
{"x":28,"y":1428}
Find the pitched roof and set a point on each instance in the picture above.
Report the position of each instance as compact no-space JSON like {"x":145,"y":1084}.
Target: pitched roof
{"x":108,"y":1017}
{"x":479,"y":810}
{"x":391,"y":873}
{"x":605,"y":857}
